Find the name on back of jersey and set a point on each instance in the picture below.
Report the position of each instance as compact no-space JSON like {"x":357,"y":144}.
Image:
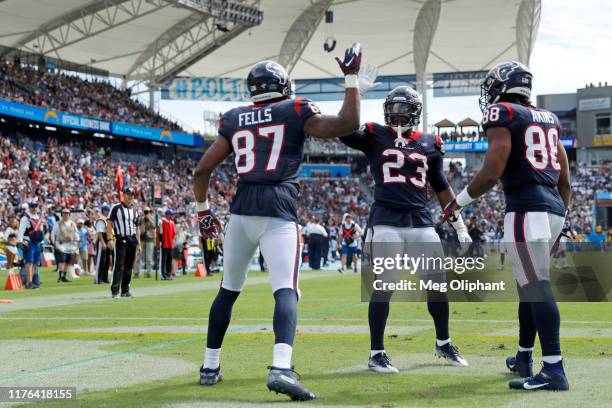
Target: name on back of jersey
{"x":542,"y":116}
{"x":255,"y":117}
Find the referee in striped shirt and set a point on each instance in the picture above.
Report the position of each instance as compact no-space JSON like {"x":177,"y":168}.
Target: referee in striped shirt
{"x":123,"y":237}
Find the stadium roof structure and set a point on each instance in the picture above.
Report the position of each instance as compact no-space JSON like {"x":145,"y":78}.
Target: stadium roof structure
{"x":156,"y":40}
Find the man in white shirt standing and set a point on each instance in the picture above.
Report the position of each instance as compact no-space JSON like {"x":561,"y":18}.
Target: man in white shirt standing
{"x":316,"y":234}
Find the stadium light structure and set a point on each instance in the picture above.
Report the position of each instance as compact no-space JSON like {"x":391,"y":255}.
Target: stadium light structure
{"x":249,"y":15}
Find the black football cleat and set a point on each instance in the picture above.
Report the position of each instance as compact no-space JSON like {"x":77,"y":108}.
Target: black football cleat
{"x":451,"y":354}
{"x":546,"y":379}
{"x":127,"y":295}
{"x":208,"y":376}
{"x":287,"y":381}
{"x":522,"y":364}
{"x":379,"y":363}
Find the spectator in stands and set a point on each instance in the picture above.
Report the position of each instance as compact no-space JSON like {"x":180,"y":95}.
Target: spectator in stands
{"x":30,"y":237}
{"x":168,"y":233}
{"x":73,"y":94}
{"x":12,"y":229}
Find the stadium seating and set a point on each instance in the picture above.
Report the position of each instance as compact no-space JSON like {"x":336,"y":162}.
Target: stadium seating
{"x":73,"y":94}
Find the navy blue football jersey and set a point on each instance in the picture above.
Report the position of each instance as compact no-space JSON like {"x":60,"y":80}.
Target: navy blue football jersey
{"x":532,"y":171}
{"x":401,"y":172}
{"x":268,"y":145}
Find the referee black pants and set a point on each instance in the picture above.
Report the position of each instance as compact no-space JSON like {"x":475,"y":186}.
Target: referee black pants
{"x":124,"y":255}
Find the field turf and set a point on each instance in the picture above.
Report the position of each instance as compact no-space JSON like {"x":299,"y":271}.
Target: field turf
{"x":146,"y":351}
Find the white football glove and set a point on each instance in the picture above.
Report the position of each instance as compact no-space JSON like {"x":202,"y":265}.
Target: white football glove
{"x":462,"y":234}
{"x":367,"y":76}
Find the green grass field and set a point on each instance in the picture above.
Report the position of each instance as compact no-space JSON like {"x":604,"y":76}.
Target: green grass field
{"x":146,"y":351}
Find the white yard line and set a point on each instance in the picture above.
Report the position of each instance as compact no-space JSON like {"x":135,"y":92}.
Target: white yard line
{"x":264,"y":319}
{"x":37,"y":302}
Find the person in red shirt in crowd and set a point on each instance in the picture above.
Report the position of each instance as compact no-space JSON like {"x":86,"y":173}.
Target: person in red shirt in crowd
{"x":166,"y":238}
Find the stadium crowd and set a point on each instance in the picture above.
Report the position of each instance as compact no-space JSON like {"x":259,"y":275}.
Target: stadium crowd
{"x":82,"y":177}
{"x":72,"y":94}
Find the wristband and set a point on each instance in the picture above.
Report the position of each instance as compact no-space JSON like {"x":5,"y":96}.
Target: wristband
{"x":464,"y":198}
{"x":458,"y":225}
{"x":351,"y":81}
{"x":202,"y":206}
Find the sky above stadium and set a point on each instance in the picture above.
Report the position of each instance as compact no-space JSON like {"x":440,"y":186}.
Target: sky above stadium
{"x":572,"y":49}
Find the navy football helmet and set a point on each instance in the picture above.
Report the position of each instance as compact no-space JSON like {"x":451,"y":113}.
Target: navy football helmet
{"x":507,"y":78}
{"x":268,"y":80}
{"x":403,"y":107}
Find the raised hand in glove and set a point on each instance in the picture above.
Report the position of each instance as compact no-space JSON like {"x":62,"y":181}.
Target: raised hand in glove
{"x":352,"y":60}
{"x":209,"y":225}
{"x":451,"y":212}
{"x":367,"y":76}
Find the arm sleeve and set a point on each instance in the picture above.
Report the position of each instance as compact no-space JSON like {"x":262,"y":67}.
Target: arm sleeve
{"x":498,"y":115}
{"x":304,"y":109}
{"x":225,"y":130}
{"x":23,"y":226}
{"x":361,"y":140}
{"x":435,"y":173}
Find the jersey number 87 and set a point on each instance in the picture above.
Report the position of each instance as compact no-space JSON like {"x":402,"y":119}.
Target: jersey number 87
{"x":244,"y":142}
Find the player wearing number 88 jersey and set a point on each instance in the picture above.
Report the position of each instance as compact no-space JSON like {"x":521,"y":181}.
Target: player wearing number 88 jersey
{"x":531,"y":174}
{"x":525,"y":153}
{"x":403,"y":162}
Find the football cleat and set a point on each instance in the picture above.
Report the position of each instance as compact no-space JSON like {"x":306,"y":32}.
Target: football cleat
{"x":208,"y":376}
{"x":451,"y":354}
{"x":380,"y":363}
{"x":522,"y":364}
{"x":546,"y":379}
{"x":287,"y":381}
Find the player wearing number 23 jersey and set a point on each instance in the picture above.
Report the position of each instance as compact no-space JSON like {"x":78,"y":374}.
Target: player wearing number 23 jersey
{"x":525,"y":154}
{"x":403,"y":162}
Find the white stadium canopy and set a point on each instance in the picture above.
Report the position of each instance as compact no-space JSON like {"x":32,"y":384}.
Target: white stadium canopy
{"x":155,"y":40}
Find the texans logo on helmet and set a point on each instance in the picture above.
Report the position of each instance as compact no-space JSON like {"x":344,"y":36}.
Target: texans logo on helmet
{"x":504,"y":71}
{"x":278,"y":72}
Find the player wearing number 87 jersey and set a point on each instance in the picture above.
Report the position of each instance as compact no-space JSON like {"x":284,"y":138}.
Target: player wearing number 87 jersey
{"x":267,"y":139}
{"x":402,"y":162}
{"x":525,"y":153}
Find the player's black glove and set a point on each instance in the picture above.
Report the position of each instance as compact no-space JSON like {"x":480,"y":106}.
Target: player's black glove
{"x":209,"y":225}
{"x":352,"y":60}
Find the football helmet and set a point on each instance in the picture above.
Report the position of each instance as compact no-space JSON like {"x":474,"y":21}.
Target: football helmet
{"x":268,"y":80}
{"x":507,"y":78}
{"x":403,"y":107}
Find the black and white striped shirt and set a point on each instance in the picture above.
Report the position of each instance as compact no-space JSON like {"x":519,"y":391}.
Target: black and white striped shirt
{"x":124,"y":220}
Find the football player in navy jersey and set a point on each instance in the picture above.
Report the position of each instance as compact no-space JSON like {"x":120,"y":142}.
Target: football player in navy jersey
{"x":267,"y":139}
{"x":402,"y":162}
{"x":525,"y":153}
